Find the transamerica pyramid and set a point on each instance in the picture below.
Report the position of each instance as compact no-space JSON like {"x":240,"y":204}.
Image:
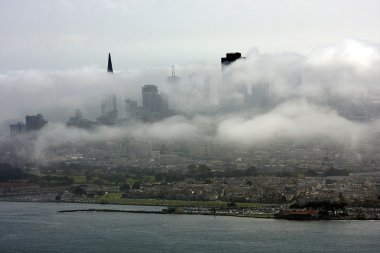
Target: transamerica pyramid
{"x":109,"y":67}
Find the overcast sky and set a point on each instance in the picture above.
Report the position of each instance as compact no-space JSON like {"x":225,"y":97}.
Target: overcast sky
{"x":68,"y":34}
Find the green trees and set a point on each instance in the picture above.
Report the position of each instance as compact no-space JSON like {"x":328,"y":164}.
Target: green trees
{"x":136,"y":186}
{"x":125,"y":188}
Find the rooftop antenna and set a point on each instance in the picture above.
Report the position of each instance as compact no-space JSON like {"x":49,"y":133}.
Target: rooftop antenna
{"x":173,"y":78}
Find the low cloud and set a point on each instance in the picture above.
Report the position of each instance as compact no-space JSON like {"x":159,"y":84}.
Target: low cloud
{"x":296,"y":121}
{"x":310,"y":98}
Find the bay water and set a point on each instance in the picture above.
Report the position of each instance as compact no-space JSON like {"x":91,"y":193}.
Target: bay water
{"x":39,"y":227}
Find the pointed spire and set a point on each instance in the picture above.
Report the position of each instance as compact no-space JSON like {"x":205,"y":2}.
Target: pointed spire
{"x":109,"y":68}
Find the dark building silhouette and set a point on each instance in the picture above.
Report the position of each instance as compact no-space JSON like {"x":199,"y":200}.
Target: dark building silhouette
{"x":230,"y":58}
{"x":16,"y":130}
{"x":109,"y":67}
{"x":34,"y":122}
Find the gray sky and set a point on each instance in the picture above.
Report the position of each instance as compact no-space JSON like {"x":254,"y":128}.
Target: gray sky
{"x":68,"y":34}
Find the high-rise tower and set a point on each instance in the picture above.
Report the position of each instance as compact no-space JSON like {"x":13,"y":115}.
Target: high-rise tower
{"x":17,"y":130}
{"x":34,"y":122}
{"x":155,"y":106}
{"x":109,"y":67}
{"x":230,"y":58}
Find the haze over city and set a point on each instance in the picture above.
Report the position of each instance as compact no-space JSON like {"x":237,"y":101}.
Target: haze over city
{"x":202,"y":112}
{"x":309,"y":80}
{"x":320,"y":87}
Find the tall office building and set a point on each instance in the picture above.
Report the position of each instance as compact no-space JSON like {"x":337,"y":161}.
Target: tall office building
{"x":34,"y":122}
{"x":109,"y":66}
{"x":150,"y":97}
{"x":16,"y":130}
{"x":155,"y":106}
{"x":79,"y":121}
{"x":131,"y":109}
{"x":232,"y":91}
{"x":230,"y":58}
{"x":164,"y":105}
{"x":109,"y":113}
{"x":150,"y":103}
{"x":109,"y":105}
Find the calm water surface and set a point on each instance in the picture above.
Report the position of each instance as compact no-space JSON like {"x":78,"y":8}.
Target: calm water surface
{"x":38,"y":227}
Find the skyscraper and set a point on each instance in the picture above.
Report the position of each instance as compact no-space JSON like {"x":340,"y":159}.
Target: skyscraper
{"x":131,"y":109}
{"x":17,"y":130}
{"x":109,"y":67}
{"x":109,"y":104}
{"x":155,"y":106}
{"x":109,"y":113}
{"x":150,"y":97}
{"x":150,"y":100}
{"x":234,"y":91}
{"x":230,"y":58}
{"x":34,"y":122}
{"x":109,"y":110}
{"x":79,"y":121}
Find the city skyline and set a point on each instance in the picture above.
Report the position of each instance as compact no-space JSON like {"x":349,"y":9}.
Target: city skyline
{"x":244,"y":96}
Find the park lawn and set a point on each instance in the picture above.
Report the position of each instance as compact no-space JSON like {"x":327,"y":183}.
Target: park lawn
{"x":112,"y":196}
{"x":246,"y":205}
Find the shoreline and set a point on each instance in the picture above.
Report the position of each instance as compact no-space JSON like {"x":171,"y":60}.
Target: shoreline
{"x":163,"y":211}
{"x":204,"y":213}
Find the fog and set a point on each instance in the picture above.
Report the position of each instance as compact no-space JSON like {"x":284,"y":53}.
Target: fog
{"x":310,"y":98}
